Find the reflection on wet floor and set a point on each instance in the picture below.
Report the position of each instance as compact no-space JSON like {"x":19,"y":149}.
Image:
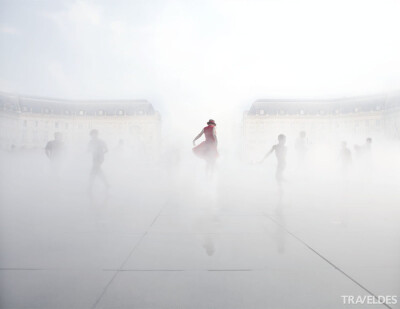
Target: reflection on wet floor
{"x":239,"y":239}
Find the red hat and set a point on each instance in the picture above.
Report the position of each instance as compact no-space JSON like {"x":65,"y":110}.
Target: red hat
{"x":211,"y":122}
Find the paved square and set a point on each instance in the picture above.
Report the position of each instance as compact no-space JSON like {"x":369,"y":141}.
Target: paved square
{"x":180,"y":242}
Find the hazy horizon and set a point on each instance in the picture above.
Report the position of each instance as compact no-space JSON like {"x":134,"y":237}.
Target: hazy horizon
{"x":199,"y":56}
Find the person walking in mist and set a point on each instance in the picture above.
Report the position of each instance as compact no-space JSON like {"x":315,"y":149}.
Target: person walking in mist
{"x":54,"y":149}
{"x":363,"y":154}
{"x":280,"y":150}
{"x":364,"y":151}
{"x":98,"y":149}
{"x":207,"y":150}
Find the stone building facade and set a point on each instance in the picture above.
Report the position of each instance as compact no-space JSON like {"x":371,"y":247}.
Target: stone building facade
{"x":324,"y":120}
{"x":29,"y":122}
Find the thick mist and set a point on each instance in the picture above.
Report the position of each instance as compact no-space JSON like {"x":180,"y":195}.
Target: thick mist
{"x":165,"y":213}
{"x":99,"y":219}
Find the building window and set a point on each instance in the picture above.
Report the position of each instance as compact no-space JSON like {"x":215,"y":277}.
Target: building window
{"x":25,"y":123}
{"x":81,"y":112}
{"x":261,"y":112}
{"x":100,"y":113}
{"x":56,"y":125}
{"x":120,"y":112}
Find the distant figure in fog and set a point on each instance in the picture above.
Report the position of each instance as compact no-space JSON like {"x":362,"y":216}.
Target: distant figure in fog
{"x":280,"y":152}
{"x":364,"y":150}
{"x":301,"y":148}
{"x":120,"y":149}
{"x":120,"y":146}
{"x":207,"y":150}
{"x":54,"y":149}
{"x":345,"y":157}
{"x":98,"y":149}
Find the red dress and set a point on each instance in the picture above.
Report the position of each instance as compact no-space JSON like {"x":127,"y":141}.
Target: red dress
{"x":208,"y":149}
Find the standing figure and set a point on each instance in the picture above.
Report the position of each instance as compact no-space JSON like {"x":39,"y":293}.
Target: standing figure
{"x":207,"y":150}
{"x":54,"y":151}
{"x":280,"y":152}
{"x":364,"y":151}
{"x":98,"y":149}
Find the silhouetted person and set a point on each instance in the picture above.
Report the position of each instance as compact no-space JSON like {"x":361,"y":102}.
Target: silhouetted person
{"x":301,"y":148}
{"x":207,"y":150}
{"x":54,"y":149}
{"x":98,"y":149}
{"x":345,"y":157}
{"x":280,"y":152}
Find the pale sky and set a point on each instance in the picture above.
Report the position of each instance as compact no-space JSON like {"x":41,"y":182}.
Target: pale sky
{"x":208,"y":57}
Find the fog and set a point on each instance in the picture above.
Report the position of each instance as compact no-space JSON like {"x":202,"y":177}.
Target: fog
{"x":53,"y":220}
{"x":107,"y":223}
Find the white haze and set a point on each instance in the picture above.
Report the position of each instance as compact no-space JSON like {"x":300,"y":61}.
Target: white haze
{"x":196,"y":60}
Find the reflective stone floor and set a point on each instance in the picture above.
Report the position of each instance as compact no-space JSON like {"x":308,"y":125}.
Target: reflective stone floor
{"x":162,"y":239}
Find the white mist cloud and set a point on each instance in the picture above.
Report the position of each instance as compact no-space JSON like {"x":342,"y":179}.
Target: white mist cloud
{"x":8,"y":30}
{"x":206,"y":57}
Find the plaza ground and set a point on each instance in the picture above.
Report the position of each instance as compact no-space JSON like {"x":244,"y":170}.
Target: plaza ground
{"x":167,"y":239}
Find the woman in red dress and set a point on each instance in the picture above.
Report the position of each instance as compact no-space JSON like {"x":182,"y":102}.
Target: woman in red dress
{"x":207,"y":150}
